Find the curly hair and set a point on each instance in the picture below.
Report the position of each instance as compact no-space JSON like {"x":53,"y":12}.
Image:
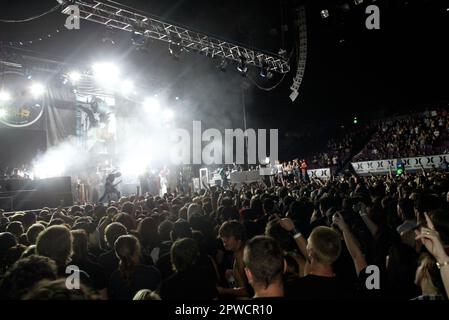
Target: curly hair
{"x":24,"y":274}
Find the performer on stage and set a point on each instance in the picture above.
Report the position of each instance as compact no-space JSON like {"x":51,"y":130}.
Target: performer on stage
{"x":110,"y":188}
{"x":144,"y":180}
{"x":223,"y":172}
{"x":164,"y":180}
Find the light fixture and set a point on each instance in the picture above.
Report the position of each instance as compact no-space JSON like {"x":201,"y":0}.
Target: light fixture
{"x":222,"y":65}
{"x":345,"y":7}
{"x":264,"y":71}
{"x":241,"y":67}
{"x":324,"y":13}
{"x":138,"y":37}
{"x":175,"y":50}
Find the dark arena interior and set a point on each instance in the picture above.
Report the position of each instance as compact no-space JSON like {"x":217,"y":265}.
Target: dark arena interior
{"x":246,"y":153}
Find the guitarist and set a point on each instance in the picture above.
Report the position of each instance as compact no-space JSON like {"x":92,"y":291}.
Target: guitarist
{"x":110,"y":188}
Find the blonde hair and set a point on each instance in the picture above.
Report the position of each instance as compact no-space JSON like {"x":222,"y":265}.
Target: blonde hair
{"x":326,"y":245}
{"x":146,"y":294}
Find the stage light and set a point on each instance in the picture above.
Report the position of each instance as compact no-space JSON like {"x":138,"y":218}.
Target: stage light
{"x":127,"y":87}
{"x":74,"y":76}
{"x":175,"y":50}
{"x":106,"y":72}
{"x":267,"y":160}
{"x":2,"y":113}
{"x":177,"y":98}
{"x":222,"y":65}
{"x":242,"y":68}
{"x":5,"y":96}
{"x":37,"y":89}
{"x":152,"y":105}
{"x":324,"y":13}
{"x":345,"y":7}
{"x":265,"y":72}
{"x":355,"y":120}
{"x":168,"y":114}
{"x":138,"y":39}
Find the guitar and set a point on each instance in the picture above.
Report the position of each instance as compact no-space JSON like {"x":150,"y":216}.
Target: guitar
{"x":109,"y":187}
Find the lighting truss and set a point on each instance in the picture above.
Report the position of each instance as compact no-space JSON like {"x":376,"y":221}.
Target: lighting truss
{"x":109,"y":14}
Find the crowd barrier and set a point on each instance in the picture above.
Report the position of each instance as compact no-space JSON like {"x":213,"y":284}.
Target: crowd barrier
{"x":411,"y":164}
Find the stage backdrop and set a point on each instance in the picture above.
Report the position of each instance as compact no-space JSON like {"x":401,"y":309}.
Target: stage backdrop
{"x":30,"y":127}
{"x":60,"y":112}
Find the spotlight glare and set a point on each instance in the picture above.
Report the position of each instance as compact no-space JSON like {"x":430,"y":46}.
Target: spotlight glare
{"x":74,"y":76}
{"x":106,"y":72}
{"x":127,"y":87}
{"x":48,"y":168}
{"x":2,"y":113}
{"x":37,"y":90}
{"x":5,"y":96}
{"x":151,"y":105}
{"x":134,"y":166}
{"x":168,"y":114}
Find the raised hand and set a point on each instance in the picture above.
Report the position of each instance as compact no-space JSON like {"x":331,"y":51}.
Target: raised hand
{"x":431,"y":240}
{"x":287,"y":224}
{"x":338,"y":220}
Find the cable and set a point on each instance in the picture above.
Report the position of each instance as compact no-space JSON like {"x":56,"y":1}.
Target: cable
{"x":32,"y":18}
{"x":267,"y":89}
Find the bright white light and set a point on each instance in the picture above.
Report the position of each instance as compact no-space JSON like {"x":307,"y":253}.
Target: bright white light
{"x":112,"y":124}
{"x":5,"y":96}
{"x":106,"y":73}
{"x":168,"y":114}
{"x":267,"y":160}
{"x":37,"y":89}
{"x":74,"y":76}
{"x":134,"y":166}
{"x":49,"y":168}
{"x":2,"y":113}
{"x":127,"y":87}
{"x":151,"y":105}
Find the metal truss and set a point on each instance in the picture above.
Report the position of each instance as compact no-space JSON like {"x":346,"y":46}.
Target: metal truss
{"x":109,"y":14}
